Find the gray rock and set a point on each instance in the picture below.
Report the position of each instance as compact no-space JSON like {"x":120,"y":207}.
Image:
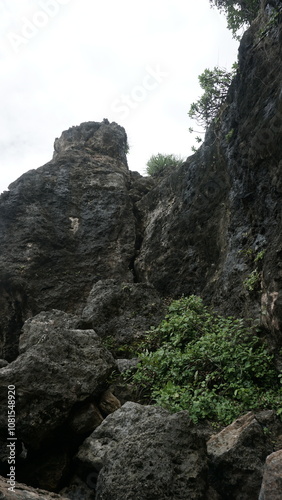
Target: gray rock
{"x":123,"y":312}
{"x":146,"y":453}
{"x":59,"y":368}
{"x":126,"y":364}
{"x":79,"y":490}
{"x":64,"y":227}
{"x":24,"y":492}
{"x":98,"y":138}
{"x":271,"y":488}
{"x":238,"y":454}
{"x":205,"y":222}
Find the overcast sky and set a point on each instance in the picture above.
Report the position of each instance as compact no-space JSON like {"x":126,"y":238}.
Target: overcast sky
{"x":64,"y":62}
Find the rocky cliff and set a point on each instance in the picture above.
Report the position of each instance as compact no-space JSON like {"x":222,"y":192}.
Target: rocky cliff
{"x":90,"y":254}
{"x":217,"y":219}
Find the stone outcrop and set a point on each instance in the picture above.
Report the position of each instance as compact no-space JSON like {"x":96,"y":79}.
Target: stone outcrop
{"x":90,"y":256}
{"x":272,"y":477}
{"x":215,"y":222}
{"x":60,"y":376}
{"x":59,"y":367}
{"x":238,"y":453}
{"x":144,"y":452}
{"x":122,"y":312}
{"x":64,"y":227}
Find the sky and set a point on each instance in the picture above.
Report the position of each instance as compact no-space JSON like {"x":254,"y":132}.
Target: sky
{"x":64,"y":62}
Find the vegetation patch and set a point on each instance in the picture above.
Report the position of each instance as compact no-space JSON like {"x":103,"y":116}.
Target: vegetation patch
{"x":215,"y":84}
{"x":239,"y":13}
{"x":214,"y":367}
{"x":158,"y":163}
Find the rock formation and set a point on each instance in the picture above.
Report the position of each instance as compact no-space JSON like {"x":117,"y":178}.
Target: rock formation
{"x":90,"y":254}
{"x":153,"y":453}
{"x":207,"y":222}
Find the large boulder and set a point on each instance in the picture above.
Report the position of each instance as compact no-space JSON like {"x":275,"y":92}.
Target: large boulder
{"x":145,"y":453}
{"x":271,"y":488}
{"x":238,"y":453}
{"x":59,"y":369}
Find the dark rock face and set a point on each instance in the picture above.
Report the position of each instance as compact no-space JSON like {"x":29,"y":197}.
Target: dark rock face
{"x":144,"y":452}
{"x":65,"y":226}
{"x":90,"y":255}
{"x":216,"y":221}
{"x":238,"y":453}
{"x":272,"y":478}
{"x":60,"y":368}
{"x":122,"y":312}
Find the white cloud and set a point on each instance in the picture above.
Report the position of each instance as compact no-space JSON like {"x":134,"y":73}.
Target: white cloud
{"x":87,"y":58}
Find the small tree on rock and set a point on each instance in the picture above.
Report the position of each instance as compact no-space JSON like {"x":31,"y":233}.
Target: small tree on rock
{"x":215,"y":84}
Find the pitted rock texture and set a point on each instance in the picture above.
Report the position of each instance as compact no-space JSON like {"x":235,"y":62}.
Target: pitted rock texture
{"x":90,"y":253}
{"x":59,"y":368}
{"x":24,"y":492}
{"x":215,"y":222}
{"x":64,"y":227}
{"x":238,"y":453}
{"x":145,"y":453}
{"x":272,"y":478}
{"x":94,"y":137}
{"x":122,"y":312}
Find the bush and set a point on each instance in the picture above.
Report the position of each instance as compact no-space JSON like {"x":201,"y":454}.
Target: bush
{"x":212,"y":366}
{"x":158,"y":163}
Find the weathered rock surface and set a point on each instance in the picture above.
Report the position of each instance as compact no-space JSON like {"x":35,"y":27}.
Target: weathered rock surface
{"x":60,"y":370}
{"x":144,"y":452}
{"x":272,"y":478}
{"x":238,"y":454}
{"x":122,"y":312}
{"x":216,"y":219}
{"x":59,"y":366}
{"x":64,"y":227}
{"x":24,"y":492}
{"x":99,"y":249}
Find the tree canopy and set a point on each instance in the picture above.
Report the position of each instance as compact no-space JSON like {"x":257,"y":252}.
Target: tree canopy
{"x":238,"y":12}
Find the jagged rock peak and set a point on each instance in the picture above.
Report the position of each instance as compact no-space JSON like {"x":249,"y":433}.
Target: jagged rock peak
{"x":99,"y":137}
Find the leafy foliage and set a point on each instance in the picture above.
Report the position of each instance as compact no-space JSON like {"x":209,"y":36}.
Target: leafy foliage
{"x":252,"y":280}
{"x":212,"y":366}
{"x":157,"y":163}
{"x":238,"y":12}
{"x":215,"y":84}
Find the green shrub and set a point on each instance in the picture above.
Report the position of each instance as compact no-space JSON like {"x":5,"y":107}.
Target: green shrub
{"x":252,"y":281}
{"x":239,"y":13}
{"x":212,"y":366}
{"x":157,"y":163}
{"x":215,"y":84}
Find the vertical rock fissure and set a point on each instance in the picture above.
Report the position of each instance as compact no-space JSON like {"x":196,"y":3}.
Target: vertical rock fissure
{"x":139,"y":236}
